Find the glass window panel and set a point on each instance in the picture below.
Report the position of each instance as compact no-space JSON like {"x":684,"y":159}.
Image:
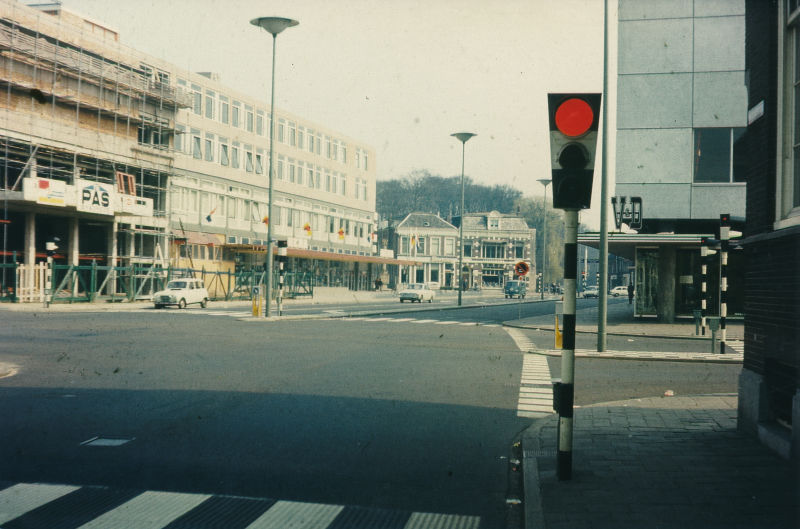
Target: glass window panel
{"x":739,"y":155}
{"x":712,"y":155}
{"x":223,"y":155}
{"x":248,"y":162}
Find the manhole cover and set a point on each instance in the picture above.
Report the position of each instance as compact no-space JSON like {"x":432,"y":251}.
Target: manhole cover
{"x":107,"y":441}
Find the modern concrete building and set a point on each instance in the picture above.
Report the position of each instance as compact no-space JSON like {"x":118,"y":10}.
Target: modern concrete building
{"x":130,"y":160}
{"x":681,"y":113}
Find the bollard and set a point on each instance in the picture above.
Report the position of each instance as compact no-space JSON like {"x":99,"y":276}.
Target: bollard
{"x":698,"y":315}
{"x":713,"y":324}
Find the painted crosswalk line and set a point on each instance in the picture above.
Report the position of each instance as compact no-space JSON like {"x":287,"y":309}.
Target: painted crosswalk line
{"x":536,"y":386}
{"x":42,"y":505}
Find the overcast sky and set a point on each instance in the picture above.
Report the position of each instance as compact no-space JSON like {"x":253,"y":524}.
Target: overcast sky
{"x":401,"y":75}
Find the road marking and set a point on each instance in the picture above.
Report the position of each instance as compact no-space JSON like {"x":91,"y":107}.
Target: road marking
{"x":446,"y":322}
{"x":19,"y":499}
{"x":421,"y":321}
{"x":154,"y":509}
{"x":536,"y":386}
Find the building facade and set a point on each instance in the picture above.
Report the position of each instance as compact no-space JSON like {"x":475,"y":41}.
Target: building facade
{"x":493,"y":243}
{"x":769,"y":386}
{"x":128,"y":160}
{"x":681,"y":116}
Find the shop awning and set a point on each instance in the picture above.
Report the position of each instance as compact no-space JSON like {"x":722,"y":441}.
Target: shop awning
{"x":625,"y":244}
{"x":324,"y":256}
{"x":193,"y":237}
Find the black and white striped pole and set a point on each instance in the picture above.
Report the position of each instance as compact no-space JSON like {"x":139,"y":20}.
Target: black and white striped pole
{"x":703,"y":273}
{"x":566,"y":399}
{"x":724,"y":247}
{"x":282,"y":253}
{"x":574,"y":125}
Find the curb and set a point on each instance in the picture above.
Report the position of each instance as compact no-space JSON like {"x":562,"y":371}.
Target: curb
{"x":717,"y":359}
{"x":550,"y":328}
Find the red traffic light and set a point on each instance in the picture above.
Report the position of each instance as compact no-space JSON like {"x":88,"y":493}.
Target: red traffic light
{"x":574,"y":117}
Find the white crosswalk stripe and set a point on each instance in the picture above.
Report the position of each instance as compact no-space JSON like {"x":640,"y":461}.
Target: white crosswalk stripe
{"x":536,"y":386}
{"x":31,"y":505}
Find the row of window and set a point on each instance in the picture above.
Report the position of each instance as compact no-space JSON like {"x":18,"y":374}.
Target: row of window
{"x":436,"y":246}
{"x":237,"y":155}
{"x":240,"y":115}
{"x":219,"y":206}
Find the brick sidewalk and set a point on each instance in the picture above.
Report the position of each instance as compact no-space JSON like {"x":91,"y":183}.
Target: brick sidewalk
{"x":661,"y":462}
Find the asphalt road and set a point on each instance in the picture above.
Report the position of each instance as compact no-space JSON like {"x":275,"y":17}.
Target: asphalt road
{"x":388,"y":414}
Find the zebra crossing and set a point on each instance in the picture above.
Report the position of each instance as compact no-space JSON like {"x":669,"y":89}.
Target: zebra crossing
{"x":71,"y":507}
{"x":415,"y":321}
{"x":536,"y":386}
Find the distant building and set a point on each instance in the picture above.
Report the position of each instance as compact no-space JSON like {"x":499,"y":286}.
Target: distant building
{"x":769,"y":385}
{"x":493,"y":243}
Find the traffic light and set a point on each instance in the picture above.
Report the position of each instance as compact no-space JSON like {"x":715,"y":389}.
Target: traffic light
{"x":50,"y":247}
{"x":574,"y":121}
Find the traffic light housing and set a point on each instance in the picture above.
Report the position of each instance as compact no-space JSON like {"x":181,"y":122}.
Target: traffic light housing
{"x":574,"y":123}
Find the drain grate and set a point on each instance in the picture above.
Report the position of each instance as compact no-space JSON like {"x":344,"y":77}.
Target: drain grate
{"x":540,"y":453}
{"x":107,"y":441}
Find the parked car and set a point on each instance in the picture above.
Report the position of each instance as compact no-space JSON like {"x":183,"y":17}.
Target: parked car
{"x":618,"y":291}
{"x":418,"y":292}
{"x":182,"y":292}
{"x":515,"y":288}
{"x":591,"y":292}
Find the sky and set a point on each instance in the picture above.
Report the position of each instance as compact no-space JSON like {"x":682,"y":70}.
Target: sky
{"x":400,"y":75}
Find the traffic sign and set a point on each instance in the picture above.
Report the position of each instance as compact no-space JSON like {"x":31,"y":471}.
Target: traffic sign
{"x":521,"y":268}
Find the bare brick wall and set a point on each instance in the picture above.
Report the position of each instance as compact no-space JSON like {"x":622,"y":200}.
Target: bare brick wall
{"x":772,"y":301}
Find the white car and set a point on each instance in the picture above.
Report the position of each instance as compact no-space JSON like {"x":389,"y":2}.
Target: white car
{"x":418,"y":292}
{"x":618,"y":291}
{"x":182,"y":292}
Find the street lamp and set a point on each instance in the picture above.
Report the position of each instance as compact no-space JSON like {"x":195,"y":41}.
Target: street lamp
{"x":544,"y":182}
{"x":273,"y":25}
{"x":462,"y":137}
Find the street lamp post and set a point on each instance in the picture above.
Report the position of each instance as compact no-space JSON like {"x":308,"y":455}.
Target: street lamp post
{"x":544,"y":182}
{"x":273,"y":25}
{"x":462,"y":137}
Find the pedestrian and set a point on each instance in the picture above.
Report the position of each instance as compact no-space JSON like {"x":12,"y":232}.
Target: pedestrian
{"x":630,"y":293}
{"x":378,"y":284}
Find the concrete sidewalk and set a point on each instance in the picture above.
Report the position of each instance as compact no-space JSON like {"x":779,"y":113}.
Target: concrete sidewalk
{"x":659,"y":462}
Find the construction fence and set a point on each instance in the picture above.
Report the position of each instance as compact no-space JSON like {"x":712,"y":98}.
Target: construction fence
{"x":20,"y":283}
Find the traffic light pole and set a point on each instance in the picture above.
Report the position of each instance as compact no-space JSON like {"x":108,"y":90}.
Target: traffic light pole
{"x":602,"y":295}
{"x":567,"y":387}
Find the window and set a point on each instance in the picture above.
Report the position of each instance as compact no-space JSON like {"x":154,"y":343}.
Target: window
{"x":209,"y":147}
{"x":224,"y":109}
{"x":365,"y":160}
{"x":327,"y":147}
{"x":310,"y":141}
{"x":210,"y":96}
{"x":197,"y":144}
{"x":248,"y":159}
{"x":277,"y":212}
{"x":319,"y":144}
{"x":718,"y":156}
{"x":301,"y":169}
{"x":180,"y":130}
{"x":519,"y":250}
{"x":259,"y":161}
{"x":467,"y":249}
{"x":300,"y":137}
{"x":361,"y":189}
{"x":435,"y":242}
{"x":789,"y":187}
{"x":493,"y":250}
{"x":327,"y":180}
{"x":236,"y":114}
{"x":344,"y":152}
{"x":404,"y":245}
{"x":248,"y":118}
{"x":449,"y":246}
{"x":310,"y":179}
{"x":291,"y":170}
{"x":494,"y":223}
{"x":232,"y":203}
{"x":421,"y":245}
{"x":281,"y":130}
{"x":260,"y":122}
{"x":292,"y":134}
{"x":289,"y":217}
{"x":358,"y":158}
{"x":343,"y":186}
{"x":318,"y":178}
{"x":235,"y":154}
{"x":197,"y":99}
{"x":224,"y":159}
{"x":281,"y":164}
{"x":335,"y":155}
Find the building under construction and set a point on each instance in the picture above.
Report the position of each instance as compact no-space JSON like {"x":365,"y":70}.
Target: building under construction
{"x":131,"y":165}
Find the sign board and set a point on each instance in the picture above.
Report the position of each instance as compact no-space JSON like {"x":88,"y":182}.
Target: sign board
{"x":630,"y":214}
{"x":45,"y":191}
{"x":95,"y":197}
{"x":521,"y":268}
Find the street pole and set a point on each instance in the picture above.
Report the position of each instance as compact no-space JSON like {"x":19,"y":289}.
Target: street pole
{"x":273,"y":25}
{"x":724,"y":247}
{"x":567,"y":388}
{"x":544,"y":182}
{"x":462,"y":137}
{"x":602,"y":297}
